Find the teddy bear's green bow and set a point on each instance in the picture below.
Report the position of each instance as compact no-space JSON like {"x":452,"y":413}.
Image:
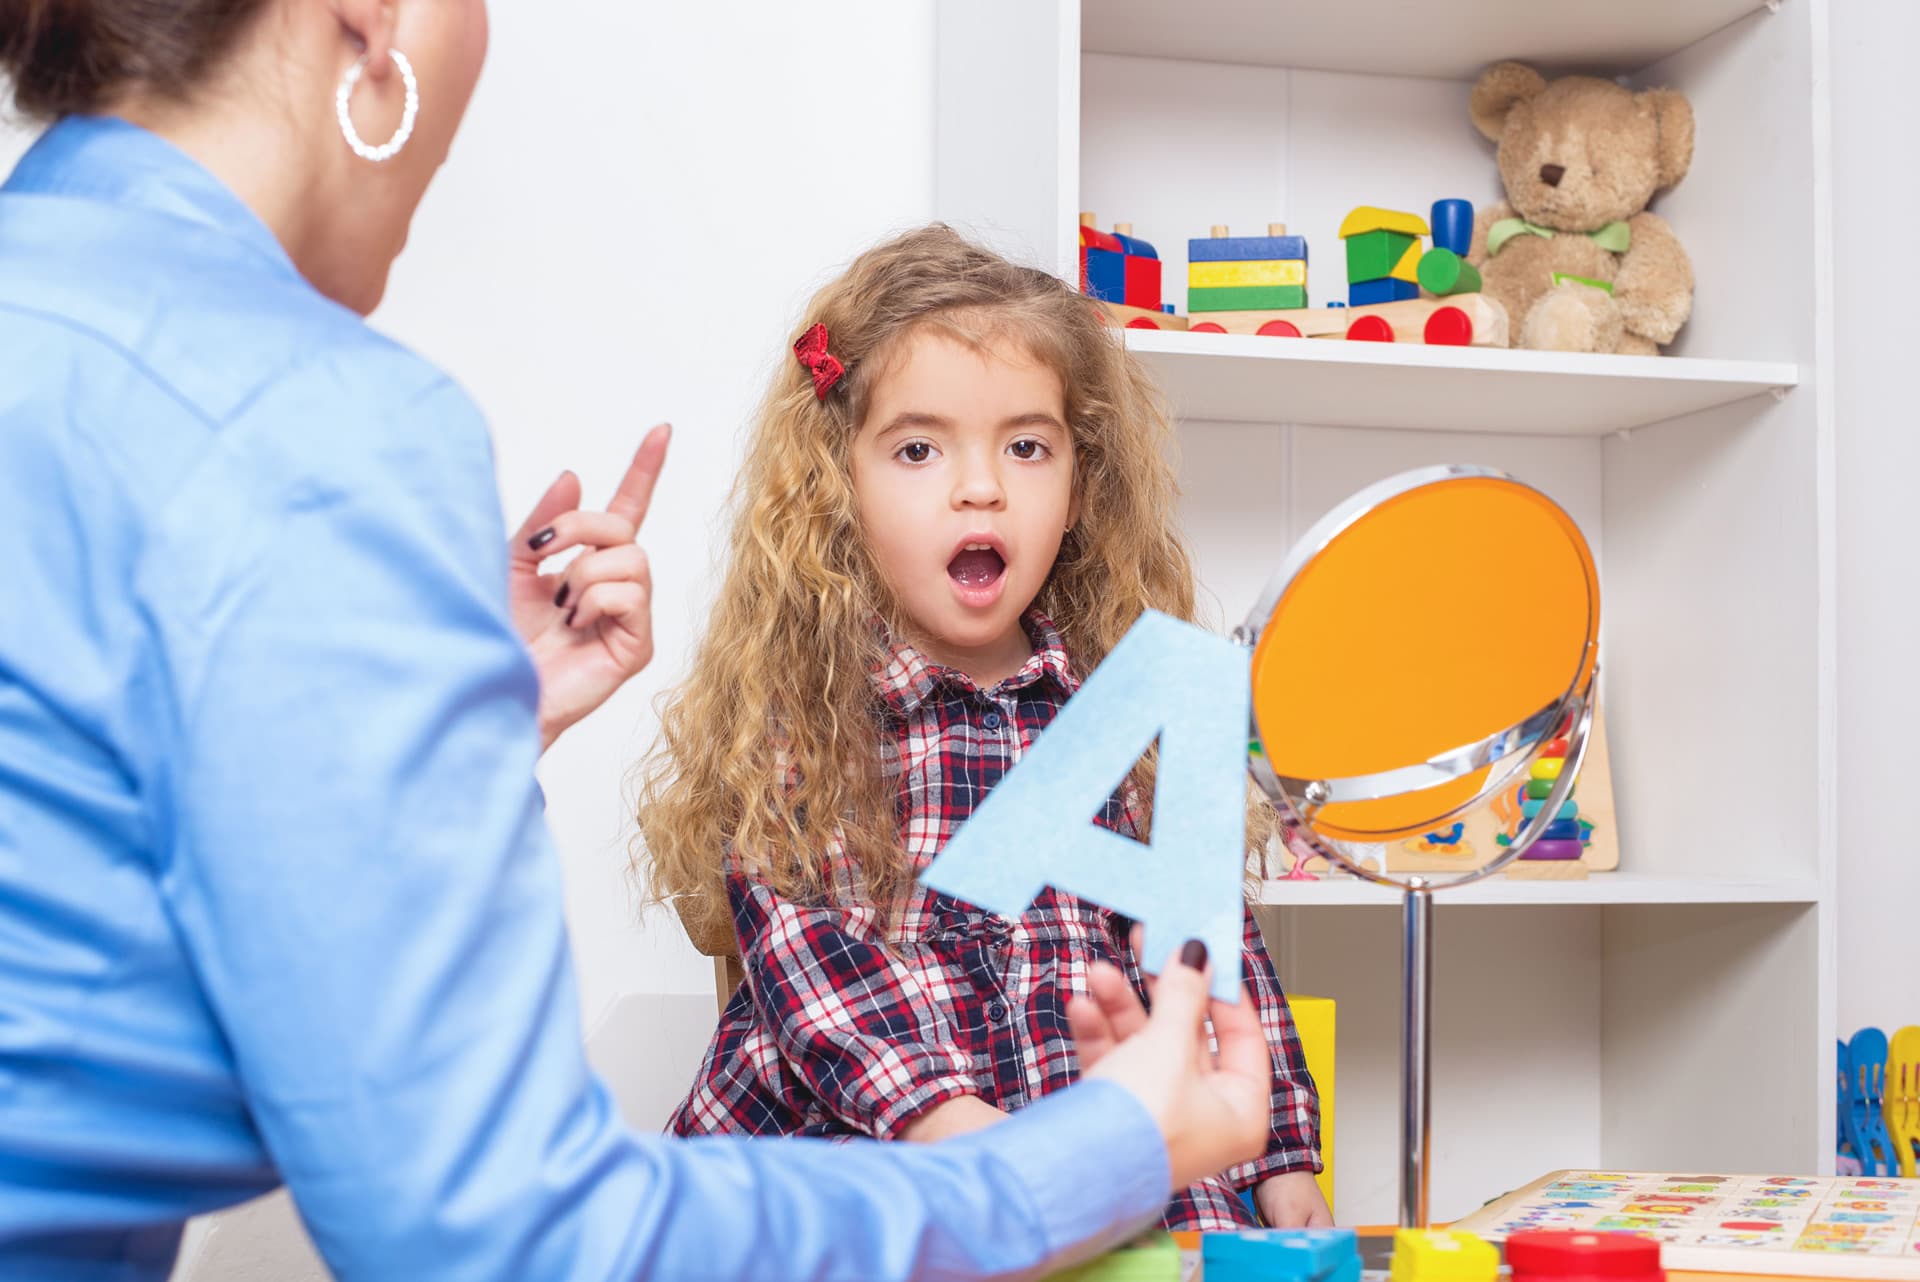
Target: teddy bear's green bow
{"x":1615,"y":236}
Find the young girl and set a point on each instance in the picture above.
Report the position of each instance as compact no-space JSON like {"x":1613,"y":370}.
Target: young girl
{"x":955,"y":501}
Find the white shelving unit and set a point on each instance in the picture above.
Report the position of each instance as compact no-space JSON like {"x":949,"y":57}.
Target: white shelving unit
{"x":1680,"y":1012}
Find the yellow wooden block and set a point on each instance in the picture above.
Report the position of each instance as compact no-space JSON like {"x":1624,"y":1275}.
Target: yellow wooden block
{"x":1442,"y":1255}
{"x":1367,"y":218}
{"x":1546,"y":768}
{"x":1408,"y":268}
{"x":1313,"y":1018}
{"x":1226,"y":275}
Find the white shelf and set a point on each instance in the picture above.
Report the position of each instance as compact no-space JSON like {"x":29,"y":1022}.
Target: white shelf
{"x":1250,"y":379}
{"x":1407,"y":37}
{"x":1600,"y":888}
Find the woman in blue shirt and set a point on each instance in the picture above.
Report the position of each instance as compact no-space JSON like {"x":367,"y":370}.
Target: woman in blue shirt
{"x":277,"y":901}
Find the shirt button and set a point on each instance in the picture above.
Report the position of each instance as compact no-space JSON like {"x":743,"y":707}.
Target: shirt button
{"x":991,"y":721}
{"x":996,"y":1012}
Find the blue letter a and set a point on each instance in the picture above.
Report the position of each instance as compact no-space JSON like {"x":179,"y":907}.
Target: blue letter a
{"x":1167,"y":680}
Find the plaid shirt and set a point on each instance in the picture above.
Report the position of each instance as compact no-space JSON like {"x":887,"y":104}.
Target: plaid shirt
{"x":850,"y":1025}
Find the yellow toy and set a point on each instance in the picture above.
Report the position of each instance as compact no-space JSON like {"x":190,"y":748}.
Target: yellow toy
{"x":1443,"y":1255}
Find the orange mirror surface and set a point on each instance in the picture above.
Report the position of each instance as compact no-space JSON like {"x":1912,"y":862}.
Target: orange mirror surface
{"x":1443,"y":619}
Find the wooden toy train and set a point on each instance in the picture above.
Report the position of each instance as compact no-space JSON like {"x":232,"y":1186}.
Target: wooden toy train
{"x":1258,"y":284}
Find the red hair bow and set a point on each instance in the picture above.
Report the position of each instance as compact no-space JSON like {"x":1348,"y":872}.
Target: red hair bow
{"x":822,"y":364}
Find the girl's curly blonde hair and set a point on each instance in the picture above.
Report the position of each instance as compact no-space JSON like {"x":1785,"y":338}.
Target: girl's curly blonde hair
{"x":771,"y":747}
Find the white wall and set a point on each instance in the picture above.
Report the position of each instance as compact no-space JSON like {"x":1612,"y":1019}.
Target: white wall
{"x":639,"y":204}
{"x":1878,"y":463}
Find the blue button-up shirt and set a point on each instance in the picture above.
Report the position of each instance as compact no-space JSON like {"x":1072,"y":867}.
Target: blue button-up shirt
{"x":277,"y":899}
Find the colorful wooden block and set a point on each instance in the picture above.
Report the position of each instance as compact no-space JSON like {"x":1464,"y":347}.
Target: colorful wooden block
{"x":1442,"y":1255}
{"x":1278,"y":1255}
{"x":1444,"y":272}
{"x":1547,"y":768}
{"x":1243,"y":298}
{"x":1373,"y":255}
{"x":1408,"y":268}
{"x":1365,"y":293}
{"x":1103,"y":275}
{"x":1152,"y":1258}
{"x":1142,"y":288}
{"x":1092,"y":237}
{"x":1236,"y":249}
{"x":1539,"y":789}
{"x":1368,"y":218}
{"x":1252,"y":271}
{"x":1134,"y":245}
{"x":1569,"y":809}
{"x":1452,"y":225}
{"x":1544,"y":1255}
{"x":1554,"y":850}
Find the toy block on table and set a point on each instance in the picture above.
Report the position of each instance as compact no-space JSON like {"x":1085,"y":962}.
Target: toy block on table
{"x":1374,"y":255}
{"x":1280,"y":1255}
{"x":1569,"y":1255}
{"x":1153,"y":1258}
{"x":1442,"y":1255}
{"x":1408,"y":268}
{"x":1369,"y":218}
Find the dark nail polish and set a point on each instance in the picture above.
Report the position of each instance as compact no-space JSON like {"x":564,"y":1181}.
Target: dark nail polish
{"x":570,"y":614}
{"x":541,"y":539}
{"x":1194,"y":954}
{"x":560,"y":597}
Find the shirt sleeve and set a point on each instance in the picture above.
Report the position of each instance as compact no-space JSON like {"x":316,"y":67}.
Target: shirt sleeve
{"x":352,"y":851}
{"x":1294,"y":1143}
{"x":853,"y":1021}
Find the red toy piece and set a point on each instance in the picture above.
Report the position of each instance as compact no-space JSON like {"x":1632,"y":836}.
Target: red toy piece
{"x":1564,"y":1255}
{"x":1449,"y":327}
{"x":1279,"y":329}
{"x":1370,"y":329}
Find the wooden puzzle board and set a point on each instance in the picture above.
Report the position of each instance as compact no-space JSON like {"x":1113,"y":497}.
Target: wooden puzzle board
{"x":1792,"y":1225}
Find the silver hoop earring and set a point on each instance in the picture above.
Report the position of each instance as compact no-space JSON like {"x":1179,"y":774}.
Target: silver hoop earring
{"x":391,"y":147}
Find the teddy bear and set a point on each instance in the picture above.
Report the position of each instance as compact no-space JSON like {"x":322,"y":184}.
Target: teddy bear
{"x":1572,"y":253}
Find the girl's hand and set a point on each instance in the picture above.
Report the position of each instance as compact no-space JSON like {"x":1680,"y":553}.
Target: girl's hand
{"x":1211,"y":1105}
{"x":1292,"y":1201}
{"x":961,"y":1115}
{"x":590,"y":627}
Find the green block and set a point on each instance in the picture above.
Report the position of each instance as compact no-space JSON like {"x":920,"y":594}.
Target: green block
{"x":1539,"y":789}
{"x":1373,"y":255}
{"x":1247,"y":298}
{"x":1155,"y":1258}
{"x":1444,"y":272}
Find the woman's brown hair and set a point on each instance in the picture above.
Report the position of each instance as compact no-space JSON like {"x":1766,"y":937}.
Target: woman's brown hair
{"x":76,"y":57}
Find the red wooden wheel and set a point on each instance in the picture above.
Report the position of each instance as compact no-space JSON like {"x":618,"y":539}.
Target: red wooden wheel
{"x":1279,"y":329}
{"x":1449,"y":327}
{"x":1207,"y":327}
{"x":1370,"y":329}
{"x":1143,"y":322}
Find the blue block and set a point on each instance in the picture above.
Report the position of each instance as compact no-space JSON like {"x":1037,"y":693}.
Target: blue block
{"x":1381,"y":291}
{"x":1452,"y":222}
{"x":1282,"y":1255}
{"x":1135,"y":246}
{"x":1562,"y":830}
{"x":1106,"y":275}
{"x":1167,"y":308}
{"x":1247,"y":249}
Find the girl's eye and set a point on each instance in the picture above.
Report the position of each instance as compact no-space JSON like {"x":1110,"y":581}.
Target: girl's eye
{"x":1028,"y":449}
{"x":915,"y":452}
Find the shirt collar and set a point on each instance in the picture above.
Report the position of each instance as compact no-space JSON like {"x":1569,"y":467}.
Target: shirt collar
{"x":105,"y":159}
{"x":907,"y":678}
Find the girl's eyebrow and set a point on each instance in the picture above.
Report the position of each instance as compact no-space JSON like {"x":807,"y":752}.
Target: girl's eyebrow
{"x":1035,"y":418}
{"x":907,"y":419}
